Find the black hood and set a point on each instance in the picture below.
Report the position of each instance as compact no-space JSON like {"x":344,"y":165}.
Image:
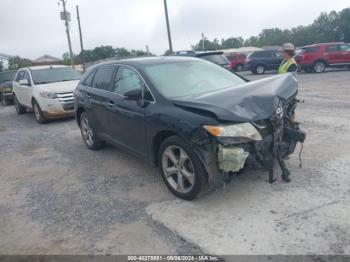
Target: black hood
{"x":250,"y":101}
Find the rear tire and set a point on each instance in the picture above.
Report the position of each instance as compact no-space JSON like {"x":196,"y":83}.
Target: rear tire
{"x":39,"y":116}
{"x":260,"y":69}
{"x":182,"y":171}
{"x":239,"y":68}
{"x":89,"y":136}
{"x":19,"y":108}
{"x":319,"y":67}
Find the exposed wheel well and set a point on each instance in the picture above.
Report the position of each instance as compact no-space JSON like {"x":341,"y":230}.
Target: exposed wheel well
{"x":80,"y":110}
{"x":158,"y":140}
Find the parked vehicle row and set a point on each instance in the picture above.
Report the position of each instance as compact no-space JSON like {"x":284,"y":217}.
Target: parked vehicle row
{"x":183,"y":114}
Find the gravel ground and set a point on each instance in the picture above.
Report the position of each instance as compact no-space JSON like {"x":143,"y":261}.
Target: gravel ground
{"x":58,"y":197}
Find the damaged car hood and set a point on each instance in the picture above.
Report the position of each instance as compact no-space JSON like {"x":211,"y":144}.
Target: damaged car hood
{"x":250,"y":101}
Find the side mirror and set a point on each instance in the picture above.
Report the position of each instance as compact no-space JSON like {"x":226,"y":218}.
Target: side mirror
{"x":133,"y":94}
{"x":24,"y":82}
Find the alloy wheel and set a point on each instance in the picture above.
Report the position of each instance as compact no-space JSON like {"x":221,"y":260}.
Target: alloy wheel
{"x":260,"y":69}
{"x":87,"y":132}
{"x":178,"y":169}
{"x":319,"y":67}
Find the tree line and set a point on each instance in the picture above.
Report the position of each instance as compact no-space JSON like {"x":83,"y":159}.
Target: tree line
{"x":328,"y":27}
{"x":103,"y":52}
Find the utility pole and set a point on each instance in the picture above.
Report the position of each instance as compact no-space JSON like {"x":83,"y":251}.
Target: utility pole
{"x":82,"y":58}
{"x":168,"y":27}
{"x":203,"y":39}
{"x":67,"y":31}
{"x":147,"y":50}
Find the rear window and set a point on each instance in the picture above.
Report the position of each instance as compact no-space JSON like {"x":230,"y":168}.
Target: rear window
{"x":216,"y":59}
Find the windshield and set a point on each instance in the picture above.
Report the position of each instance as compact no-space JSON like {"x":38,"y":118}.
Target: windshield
{"x":190,"y":78}
{"x":7,"y":76}
{"x":217,"y":59}
{"x":55,"y":74}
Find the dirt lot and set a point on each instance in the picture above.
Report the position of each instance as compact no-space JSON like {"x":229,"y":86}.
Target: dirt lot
{"x":57,"y":197}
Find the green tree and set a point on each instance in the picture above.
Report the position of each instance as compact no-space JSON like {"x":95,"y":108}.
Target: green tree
{"x":17,"y":62}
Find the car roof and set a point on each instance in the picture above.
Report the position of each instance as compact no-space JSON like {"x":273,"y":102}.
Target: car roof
{"x":44,"y":67}
{"x":150,"y":60}
{"x":321,"y":44}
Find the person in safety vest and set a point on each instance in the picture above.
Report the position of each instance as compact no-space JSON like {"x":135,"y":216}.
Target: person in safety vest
{"x":288,"y":64}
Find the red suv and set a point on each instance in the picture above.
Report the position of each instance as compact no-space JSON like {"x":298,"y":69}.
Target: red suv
{"x":315,"y":58}
{"x":237,"y":61}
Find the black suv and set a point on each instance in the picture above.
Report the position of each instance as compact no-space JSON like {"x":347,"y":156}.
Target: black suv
{"x":260,"y":61}
{"x":6,"y":78}
{"x":186,"y":116}
{"x":216,"y":57}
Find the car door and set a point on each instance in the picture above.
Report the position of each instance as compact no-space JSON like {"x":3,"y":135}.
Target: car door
{"x":17,"y":88}
{"x":97,"y":98}
{"x":333,"y":54}
{"x":127,"y":117}
{"x":23,"y":92}
{"x":27,"y":90}
{"x":345,"y":53}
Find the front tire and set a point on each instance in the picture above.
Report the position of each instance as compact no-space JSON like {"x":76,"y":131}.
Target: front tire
{"x":39,"y":116}
{"x":88,"y":134}
{"x":4,"y":100}
{"x":19,"y":108}
{"x":180,"y":168}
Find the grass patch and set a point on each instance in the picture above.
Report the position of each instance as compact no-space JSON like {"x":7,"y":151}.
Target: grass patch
{"x":2,"y":128}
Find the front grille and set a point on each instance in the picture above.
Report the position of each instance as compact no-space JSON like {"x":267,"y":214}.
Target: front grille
{"x":65,"y":97}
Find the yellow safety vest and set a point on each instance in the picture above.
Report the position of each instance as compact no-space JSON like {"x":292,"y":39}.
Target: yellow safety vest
{"x":285,"y":65}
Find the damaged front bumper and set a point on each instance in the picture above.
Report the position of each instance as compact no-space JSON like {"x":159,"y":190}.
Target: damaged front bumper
{"x":223,"y":157}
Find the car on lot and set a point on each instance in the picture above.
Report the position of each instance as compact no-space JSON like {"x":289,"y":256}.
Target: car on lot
{"x":237,"y":61}
{"x":47,"y":90}
{"x":216,"y":57}
{"x":316,"y":58}
{"x":260,"y":61}
{"x":6,"y":78}
{"x":197,"y":121}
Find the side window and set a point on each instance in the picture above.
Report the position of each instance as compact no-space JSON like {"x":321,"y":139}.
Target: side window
{"x":103,"y":78}
{"x":88,"y":79}
{"x":332,"y":48}
{"x":345,"y":48}
{"x":19,"y":76}
{"x":279,"y":55}
{"x":26,"y":76}
{"x":126,"y":79}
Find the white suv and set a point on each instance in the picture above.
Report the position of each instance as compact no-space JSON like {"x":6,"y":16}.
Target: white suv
{"x":47,"y":90}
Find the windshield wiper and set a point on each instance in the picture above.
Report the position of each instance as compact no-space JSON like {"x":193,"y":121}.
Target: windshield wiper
{"x":66,"y":80}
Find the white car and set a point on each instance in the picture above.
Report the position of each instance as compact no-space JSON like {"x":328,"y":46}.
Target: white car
{"x":47,"y":90}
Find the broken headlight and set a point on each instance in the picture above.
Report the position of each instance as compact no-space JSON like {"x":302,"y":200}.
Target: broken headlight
{"x":245,"y":130}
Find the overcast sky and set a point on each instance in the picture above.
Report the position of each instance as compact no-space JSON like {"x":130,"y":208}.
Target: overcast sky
{"x":31,"y":28}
